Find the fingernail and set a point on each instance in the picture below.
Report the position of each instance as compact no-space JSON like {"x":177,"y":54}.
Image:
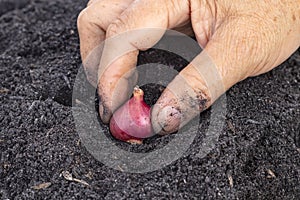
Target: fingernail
{"x":101,"y":111}
{"x":103,"y":114}
{"x":169,"y":119}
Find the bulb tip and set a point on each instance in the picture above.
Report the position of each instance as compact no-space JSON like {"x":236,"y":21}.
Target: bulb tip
{"x":138,"y":92}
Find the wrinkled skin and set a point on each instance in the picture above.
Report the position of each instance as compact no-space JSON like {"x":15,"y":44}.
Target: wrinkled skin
{"x":240,"y":39}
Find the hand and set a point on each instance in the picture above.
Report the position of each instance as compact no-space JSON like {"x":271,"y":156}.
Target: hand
{"x":240,"y":39}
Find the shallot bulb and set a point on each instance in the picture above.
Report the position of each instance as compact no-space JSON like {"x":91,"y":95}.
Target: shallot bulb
{"x":131,"y":122}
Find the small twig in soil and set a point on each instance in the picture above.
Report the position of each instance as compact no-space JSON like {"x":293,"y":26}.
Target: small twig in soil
{"x":77,"y":101}
{"x":271,"y":174}
{"x":89,"y":175}
{"x":230,"y":179}
{"x":4,"y":90}
{"x":68,"y":176}
{"x":231,"y":127}
{"x":33,"y":104}
{"x":41,"y":186}
{"x":120,"y":168}
{"x":48,"y":132}
{"x":251,"y":121}
{"x":16,"y":97}
{"x":66,"y":80}
{"x":6,"y":165}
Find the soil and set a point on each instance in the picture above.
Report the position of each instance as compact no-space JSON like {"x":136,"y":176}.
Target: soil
{"x":257,"y":155}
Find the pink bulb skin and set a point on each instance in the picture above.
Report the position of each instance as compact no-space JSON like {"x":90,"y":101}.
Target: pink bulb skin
{"x":118,"y":133}
{"x":132,"y":120}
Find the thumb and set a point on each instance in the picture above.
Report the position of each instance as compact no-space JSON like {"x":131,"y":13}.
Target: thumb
{"x":231,"y":55}
{"x":193,"y":90}
{"x":139,"y":27}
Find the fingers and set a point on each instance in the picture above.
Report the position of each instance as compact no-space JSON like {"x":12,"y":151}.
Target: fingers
{"x":193,"y":90}
{"x":234,"y":52}
{"x":92,"y":24}
{"x":116,"y":83}
{"x":139,"y":27}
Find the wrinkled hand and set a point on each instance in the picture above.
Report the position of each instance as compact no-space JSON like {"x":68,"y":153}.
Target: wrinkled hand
{"x":240,"y":39}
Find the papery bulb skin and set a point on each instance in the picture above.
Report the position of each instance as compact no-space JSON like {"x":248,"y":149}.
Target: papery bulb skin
{"x":131,"y":122}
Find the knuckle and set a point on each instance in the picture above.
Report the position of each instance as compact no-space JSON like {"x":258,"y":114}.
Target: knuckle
{"x":82,"y":18}
{"x":251,"y":42}
{"x":114,"y":28}
{"x":246,"y":48}
{"x":122,"y":23}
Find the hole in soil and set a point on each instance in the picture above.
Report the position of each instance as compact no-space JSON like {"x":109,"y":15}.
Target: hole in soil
{"x":64,"y":96}
{"x":250,"y":166}
{"x":160,"y":56}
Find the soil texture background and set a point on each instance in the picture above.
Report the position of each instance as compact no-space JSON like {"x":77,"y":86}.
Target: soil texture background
{"x":257,"y":155}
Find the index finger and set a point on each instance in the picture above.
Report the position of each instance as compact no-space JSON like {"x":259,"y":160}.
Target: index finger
{"x":92,"y":24}
{"x":139,"y":27}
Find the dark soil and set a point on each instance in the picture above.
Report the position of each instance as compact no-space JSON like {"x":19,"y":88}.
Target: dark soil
{"x":258,"y":149}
